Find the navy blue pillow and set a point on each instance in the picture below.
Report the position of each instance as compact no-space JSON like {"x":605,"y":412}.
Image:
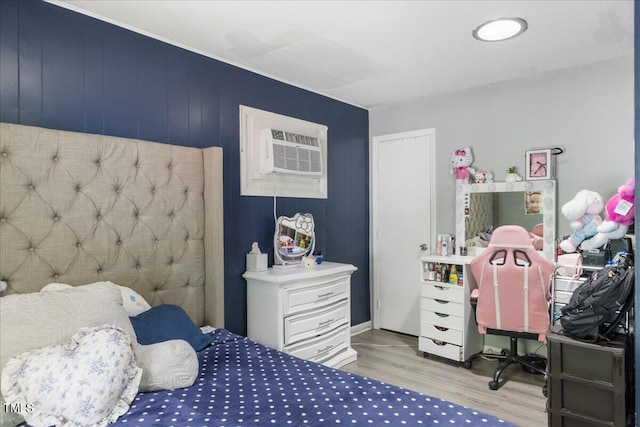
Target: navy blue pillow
{"x":168,"y":322}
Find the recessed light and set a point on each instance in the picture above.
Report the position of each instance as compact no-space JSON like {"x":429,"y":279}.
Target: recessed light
{"x":500,"y":29}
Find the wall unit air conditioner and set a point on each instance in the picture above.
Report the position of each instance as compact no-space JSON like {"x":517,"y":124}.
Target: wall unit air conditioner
{"x":290,"y":153}
{"x":282,"y":156}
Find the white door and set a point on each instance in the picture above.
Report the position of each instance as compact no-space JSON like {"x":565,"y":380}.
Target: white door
{"x":402,"y":200}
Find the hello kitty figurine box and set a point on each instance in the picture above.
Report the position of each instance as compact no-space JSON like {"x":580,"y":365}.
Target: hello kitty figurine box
{"x":461,"y":160}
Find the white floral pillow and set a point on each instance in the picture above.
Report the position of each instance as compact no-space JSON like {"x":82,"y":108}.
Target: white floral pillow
{"x":88,"y":381}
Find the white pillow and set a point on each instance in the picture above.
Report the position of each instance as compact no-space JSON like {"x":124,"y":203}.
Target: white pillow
{"x":52,"y":287}
{"x":87,"y":381}
{"x":132,"y":301}
{"x":30,"y":321}
{"x":167,"y":365}
{"x":33,"y":320}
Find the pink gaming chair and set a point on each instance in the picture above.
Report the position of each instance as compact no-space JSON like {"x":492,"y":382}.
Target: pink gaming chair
{"x":513,"y":295}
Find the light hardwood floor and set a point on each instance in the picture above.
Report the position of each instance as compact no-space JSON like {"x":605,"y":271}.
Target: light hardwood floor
{"x":395,"y":359}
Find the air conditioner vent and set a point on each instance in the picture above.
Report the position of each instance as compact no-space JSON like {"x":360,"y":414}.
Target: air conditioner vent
{"x":295,"y":138}
{"x":288,"y":152}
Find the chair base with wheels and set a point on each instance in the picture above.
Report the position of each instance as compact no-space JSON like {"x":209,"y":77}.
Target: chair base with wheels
{"x":531,"y":363}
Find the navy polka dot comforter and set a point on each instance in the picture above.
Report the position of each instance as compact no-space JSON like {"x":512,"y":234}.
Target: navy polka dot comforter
{"x":242,"y":383}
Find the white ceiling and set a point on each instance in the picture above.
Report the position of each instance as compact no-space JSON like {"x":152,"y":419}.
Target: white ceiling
{"x":377,"y":53}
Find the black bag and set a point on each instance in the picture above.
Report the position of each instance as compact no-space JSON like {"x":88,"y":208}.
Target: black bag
{"x":598,"y":305}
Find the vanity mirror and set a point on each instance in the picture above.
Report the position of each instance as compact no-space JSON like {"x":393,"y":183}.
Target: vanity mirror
{"x":294,"y":238}
{"x":479,"y":206}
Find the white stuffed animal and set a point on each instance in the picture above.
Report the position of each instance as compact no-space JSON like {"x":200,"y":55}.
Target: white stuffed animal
{"x":583,"y":212}
{"x":482,"y":177}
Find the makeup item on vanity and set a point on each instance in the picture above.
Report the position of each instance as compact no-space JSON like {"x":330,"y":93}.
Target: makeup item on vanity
{"x":453,"y":276}
{"x":439,"y":245}
{"x":431,"y":271}
{"x":447,"y":244}
{"x":445,"y":273}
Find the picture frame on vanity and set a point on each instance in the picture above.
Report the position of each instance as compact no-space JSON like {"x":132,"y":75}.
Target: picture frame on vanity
{"x":539,"y":164}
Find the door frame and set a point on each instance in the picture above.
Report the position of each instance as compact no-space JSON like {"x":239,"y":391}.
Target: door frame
{"x":373,"y":207}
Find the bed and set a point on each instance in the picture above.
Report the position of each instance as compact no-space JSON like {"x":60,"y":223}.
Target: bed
{"x":127,"y":237}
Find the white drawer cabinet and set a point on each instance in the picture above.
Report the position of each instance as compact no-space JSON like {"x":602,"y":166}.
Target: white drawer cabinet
{"x":305,"y":312}
{"x":447,"y":322}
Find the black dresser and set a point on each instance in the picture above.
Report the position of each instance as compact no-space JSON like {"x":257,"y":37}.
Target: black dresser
{"x":589,"y":384}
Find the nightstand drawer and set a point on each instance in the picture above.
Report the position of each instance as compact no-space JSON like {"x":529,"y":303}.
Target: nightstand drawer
{"x":317,"y":322}
{"x":440,"y":348}
{"x":454,"y":321}
{"x":321,"y":348}
{"x":443,"y":292}
{"x":441,"y":333}
{"x":441,"y":306}
{"x":301,"y":298}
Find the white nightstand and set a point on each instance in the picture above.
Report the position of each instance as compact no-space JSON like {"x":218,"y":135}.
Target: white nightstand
{"x":305,"y":312}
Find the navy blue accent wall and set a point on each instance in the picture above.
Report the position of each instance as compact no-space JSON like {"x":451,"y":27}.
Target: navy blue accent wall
{"x":63,"y":70}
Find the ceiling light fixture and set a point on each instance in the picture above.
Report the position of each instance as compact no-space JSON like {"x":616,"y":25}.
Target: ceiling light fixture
{"x":500,"y":29}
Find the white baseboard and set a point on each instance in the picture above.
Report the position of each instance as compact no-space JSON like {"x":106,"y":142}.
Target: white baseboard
{"x":361,"y":327}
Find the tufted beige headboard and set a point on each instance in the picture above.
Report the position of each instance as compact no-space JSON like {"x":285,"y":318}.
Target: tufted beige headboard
{"x":78,"y":208}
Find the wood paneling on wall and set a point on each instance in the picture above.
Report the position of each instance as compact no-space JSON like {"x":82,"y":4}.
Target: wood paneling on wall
{"x":63,"y":70}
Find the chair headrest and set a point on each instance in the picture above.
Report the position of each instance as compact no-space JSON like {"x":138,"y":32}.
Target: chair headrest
{"x":510,"y":236}
{"x":511,"y":244}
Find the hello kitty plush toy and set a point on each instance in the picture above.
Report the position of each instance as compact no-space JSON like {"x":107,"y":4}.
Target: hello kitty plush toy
{"x":461,"y":160}
{"x":620,"y":214}
{"x":583,"y":212}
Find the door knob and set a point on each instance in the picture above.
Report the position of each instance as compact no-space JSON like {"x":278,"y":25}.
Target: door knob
{"x":424,"y":247}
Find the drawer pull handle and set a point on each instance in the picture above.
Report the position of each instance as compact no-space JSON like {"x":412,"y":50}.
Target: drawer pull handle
{"x":441,"y":328}
{"x":441,"y":314}
{"x":441,"y":288}
{"x":439,"y":301}
{"x":324,"y":350}
{"x":325,"y":323}
{"x":325,"y":295}
{"x":438,"y":342}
